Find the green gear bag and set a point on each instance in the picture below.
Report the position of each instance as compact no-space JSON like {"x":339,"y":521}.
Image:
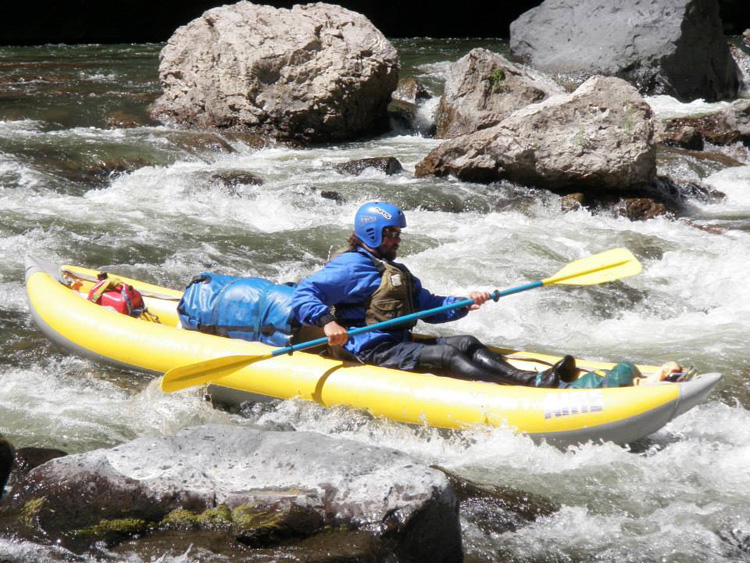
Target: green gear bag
{"x":621,"y":375}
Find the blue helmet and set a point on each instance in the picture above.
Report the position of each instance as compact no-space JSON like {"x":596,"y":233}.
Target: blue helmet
{"x":375,"y":216}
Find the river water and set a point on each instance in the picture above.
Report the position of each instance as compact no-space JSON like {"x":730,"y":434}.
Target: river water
{"x":79,"y":185}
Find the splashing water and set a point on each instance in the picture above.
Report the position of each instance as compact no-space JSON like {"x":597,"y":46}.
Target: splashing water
{"x":159,"y":212}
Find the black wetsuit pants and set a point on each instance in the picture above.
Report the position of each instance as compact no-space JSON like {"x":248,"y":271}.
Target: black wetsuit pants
{"x":465,"y":357}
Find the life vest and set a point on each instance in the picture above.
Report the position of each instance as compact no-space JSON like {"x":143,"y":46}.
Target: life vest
{"x":393,"y":298}
{"x":113,"y":293}
{"x":252,"y":309}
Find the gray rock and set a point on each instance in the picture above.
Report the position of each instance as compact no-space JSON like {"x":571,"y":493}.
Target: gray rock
{"x":235,"y":178}
{"x":405,"y":106}
{"x":387,"y":164}
{"x":640,"y":208}
{"x":314,"y":73}
{"x":597,"y":139}
{"x":483,"y":88}
{"x":673,"y":47}
{"x":333,"y":195}
{"x":411,"y":90}
{"x":675,"y":134}
{"x":222,"y":472}
{"x":660,"y":197}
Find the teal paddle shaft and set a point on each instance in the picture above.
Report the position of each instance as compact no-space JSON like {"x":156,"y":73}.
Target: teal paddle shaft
{"x":495,"y":295}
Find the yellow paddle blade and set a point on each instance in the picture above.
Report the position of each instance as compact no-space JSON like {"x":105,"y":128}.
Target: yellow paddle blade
{"x":205,"y":372}
{"x":604,"y":267}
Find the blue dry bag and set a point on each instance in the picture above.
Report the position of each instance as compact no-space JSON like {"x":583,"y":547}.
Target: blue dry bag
{"x":249,"y":308}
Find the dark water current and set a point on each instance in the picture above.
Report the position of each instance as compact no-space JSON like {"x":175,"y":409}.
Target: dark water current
{"x":86,"y":178}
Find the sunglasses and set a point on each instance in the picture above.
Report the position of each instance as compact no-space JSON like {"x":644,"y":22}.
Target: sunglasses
{"x":391,"y":234}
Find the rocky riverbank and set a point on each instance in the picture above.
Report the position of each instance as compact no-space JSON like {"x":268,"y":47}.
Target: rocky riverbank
{"x":323,"y":74}
{"x":240,"y":490}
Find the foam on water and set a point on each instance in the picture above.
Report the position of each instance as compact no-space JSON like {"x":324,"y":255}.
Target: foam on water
{"x":667,"y":107}
{"x":452,"y":253}
{"x":688,"y":494}
{"x":87,"y":408}
{"x":680,"y":496}
{"x":735,"y":183}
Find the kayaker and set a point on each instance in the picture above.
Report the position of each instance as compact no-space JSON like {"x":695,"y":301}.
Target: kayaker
{"x":363,"y":286}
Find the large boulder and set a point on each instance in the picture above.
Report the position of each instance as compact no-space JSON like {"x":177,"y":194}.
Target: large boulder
{"x":597,"y":139}
{"x":673,"y":47}
{"x":216,"y":477}
{"x":482,"y":88}
{"x":313,"y":73}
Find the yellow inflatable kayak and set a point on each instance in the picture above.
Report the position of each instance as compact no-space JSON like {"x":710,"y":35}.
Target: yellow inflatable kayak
{"x":58,"y":304}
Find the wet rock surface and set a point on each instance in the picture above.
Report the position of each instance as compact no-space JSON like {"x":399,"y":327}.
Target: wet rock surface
{"x":26,"y":459}
{"x":723,"y":127}
{"x":389,"y":165}
{"x":254,"y":488}
{"x":235,"y":179}
{"x":660,"y":197}
{"x":496,"y":510}
{"x":411,"y":90}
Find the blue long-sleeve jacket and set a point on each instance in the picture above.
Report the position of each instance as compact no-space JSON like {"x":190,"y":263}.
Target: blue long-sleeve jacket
{"x":350,"y":279}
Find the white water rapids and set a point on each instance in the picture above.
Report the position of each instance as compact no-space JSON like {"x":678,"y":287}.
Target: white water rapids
{"x":683,"y":495}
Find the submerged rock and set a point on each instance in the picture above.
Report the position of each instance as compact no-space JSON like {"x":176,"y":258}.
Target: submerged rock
{"x":251,"y":487}
{"x":660,"y":197}
{"x":387,"y":164}
{"x":411,"y":90}
{"x":232,"y":179}
{"x":724,"y":127}
{"x":405,"y":107}
{"x":597,"y":139}
{"x":124,"y":120}
{"x":640,"y":208}
{"x":483,"y":88}
{"x":496,"y":510}
{"x":675,"y":134}
{"x":674,"y":47}
{"x":81,"y":169}
{"x":314,"y":73}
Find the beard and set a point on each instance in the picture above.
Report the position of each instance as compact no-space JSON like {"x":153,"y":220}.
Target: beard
{"x":389,"y":253}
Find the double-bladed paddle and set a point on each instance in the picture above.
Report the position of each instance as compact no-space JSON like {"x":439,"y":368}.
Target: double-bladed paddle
{"x":599,"y":268}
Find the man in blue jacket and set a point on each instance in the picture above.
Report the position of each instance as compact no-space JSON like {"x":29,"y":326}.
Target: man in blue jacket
{"x":364,"y":286}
